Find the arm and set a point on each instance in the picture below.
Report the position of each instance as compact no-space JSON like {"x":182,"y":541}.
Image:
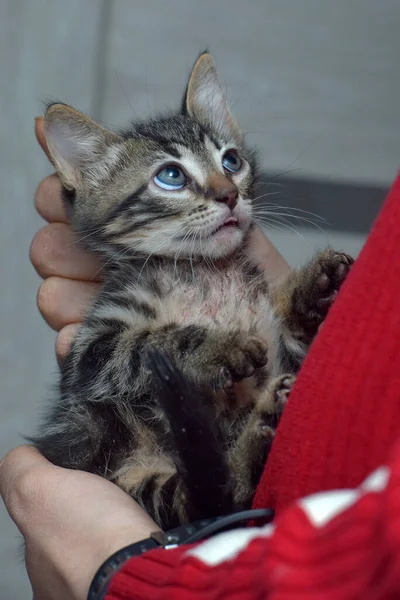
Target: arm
{"x":73,"y":521}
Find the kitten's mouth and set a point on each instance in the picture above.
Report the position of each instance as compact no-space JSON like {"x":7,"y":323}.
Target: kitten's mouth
{"x":231,"y":222}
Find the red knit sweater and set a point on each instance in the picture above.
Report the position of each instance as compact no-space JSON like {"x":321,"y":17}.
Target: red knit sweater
{"x":342,"y":422}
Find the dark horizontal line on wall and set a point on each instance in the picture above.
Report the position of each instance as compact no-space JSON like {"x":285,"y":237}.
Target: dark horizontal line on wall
{"x":345,"y":206}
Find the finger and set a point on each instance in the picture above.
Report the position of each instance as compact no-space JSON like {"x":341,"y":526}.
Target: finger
{"x":15,"y":470}
{"x":54,"y":251}
{"x":262,"y":251}
{"x":40,"y":136}
{"x":64,"y":341}
{"x":62,"y":301}
{"x":48,"y":200}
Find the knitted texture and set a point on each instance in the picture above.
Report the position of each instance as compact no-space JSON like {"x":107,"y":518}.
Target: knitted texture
{"x":344,"y":412}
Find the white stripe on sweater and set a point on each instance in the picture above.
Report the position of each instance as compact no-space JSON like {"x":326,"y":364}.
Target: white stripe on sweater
{"x":319,"y":508}
{"x":228,"y":545}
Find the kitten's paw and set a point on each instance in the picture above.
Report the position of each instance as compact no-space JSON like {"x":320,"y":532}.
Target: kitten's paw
{"x":237,"y":356}
{"x":280,"y":389}
{"x":334,"y":268}
{"x":320,"y":284}
{"x":271,"y":405}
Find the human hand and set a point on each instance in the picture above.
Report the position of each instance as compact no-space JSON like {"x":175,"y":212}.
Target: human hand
{"x":71,"y":521}
{"x":71,"y":276}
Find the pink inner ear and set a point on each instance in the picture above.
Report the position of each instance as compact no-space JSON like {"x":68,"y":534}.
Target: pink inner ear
{"x":208,"y":96}
{"x":69,"y":144}
{"x":211,"y":100}
{"x":206,"y":99}
{"x":63,"y":140}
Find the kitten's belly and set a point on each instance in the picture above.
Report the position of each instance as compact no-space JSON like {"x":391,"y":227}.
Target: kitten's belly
{"x":227,"y":304}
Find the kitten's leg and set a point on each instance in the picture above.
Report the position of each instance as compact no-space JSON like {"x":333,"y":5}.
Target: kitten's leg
{"x":106,"y":391}
{"x":303,"y":300}
{"x":191,"y":481}
{"x":211,"y":357}
{"x":108,"y":396}
{"x":198,"y":486}
{"x":247,"y":458}
{"x":160,"y":491}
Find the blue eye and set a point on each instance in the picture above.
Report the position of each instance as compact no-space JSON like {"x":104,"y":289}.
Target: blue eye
{"x":170,"y":178}
{"x":231,"y":161}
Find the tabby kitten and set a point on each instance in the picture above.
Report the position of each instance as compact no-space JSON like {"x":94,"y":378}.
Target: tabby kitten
{"x":167,"y":388}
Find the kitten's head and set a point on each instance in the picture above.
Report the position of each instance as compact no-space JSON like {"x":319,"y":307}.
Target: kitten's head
{"x":178,"y":186}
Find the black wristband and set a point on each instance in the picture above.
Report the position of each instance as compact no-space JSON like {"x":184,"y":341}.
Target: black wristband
{"x":186,"y":534}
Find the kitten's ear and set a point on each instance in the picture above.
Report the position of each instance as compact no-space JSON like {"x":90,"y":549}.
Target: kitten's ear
{"x":77,"y":145}
{"x":205,"y":100}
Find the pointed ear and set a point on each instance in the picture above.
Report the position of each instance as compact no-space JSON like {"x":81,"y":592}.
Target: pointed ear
{"x":205,"y":100}
{"x":77,"y":145}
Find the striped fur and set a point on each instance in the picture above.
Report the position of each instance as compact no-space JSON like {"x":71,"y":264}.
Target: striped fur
{"x":178,"y":284}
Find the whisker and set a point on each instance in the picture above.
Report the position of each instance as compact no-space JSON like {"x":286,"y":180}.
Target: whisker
{"x":308,"y":212}
{"x":269,"y":221}
{"x":287,"y":216}
{"x":119,"y":254}
{"x":269,"y":225}
{"x":289,"y":208}
{"x":77,"y":241}
{"x":275,"y":183}
{"x":287,"y":168}
{"x":267,"y":194}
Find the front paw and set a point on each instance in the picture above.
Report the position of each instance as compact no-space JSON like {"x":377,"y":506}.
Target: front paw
{"x":230,"y":357}
{"x":319,"y":284}
{"x":333,"y":268}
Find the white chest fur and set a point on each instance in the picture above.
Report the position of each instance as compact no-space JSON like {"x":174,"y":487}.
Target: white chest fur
{"x":224,"y":300}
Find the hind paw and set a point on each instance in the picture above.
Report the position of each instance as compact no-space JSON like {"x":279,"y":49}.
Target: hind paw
{"x":271,"y":405}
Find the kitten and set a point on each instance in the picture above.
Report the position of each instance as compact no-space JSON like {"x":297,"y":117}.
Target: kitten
{"x":177,"y":377}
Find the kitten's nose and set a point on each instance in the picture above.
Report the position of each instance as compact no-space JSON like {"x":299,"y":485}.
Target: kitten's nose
{"x":228,"y":196}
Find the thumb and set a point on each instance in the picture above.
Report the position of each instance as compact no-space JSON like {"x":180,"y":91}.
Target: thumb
{"x":15,"y":468}
{"x":262,"y":251}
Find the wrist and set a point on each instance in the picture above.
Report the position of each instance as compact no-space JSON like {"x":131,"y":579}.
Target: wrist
{"x":185,"y":534}
{"x":114,"y":542}
{"x":75,"y":574}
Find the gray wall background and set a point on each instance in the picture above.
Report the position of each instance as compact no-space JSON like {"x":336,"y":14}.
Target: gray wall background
{"x":314,"y":83}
